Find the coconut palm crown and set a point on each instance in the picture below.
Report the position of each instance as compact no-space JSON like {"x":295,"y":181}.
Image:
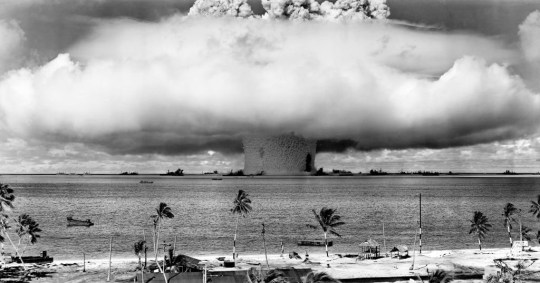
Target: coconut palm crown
{"x":328,"y":220}
{"x":241,"y":204}
{"x":26,"y":226}
{"x":535,"y":208}
{"x":508,"y":211}
{"x":479,"y":226}
{"x":6,"y":197}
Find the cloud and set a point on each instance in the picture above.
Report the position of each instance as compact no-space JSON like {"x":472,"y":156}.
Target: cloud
{"x":10,"y":47}
{"x":186,"y":85}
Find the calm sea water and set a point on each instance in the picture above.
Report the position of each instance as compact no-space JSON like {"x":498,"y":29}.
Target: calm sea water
{"x":121,"y":207}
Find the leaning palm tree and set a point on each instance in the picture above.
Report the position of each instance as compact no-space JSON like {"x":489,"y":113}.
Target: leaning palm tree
{"x":479,"y":226}
{"x":508,"y":212}
{"x":241,"y":206}
{"x":535,"y":208}
{"x":320,"y":277}
{"x":328,"y":220}
{"x":138,"y":249}
{"x":27,"y":228}
{"x":6,"y":203}
{"x":4,"y":227}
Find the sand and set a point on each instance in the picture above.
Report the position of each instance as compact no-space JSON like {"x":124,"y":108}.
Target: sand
{"x":452,"y":261}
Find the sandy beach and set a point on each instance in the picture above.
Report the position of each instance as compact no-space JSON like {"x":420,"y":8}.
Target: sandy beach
{"x":344,"y":268}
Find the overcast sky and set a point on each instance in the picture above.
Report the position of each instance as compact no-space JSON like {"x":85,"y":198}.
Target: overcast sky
{"x":105,"y":86}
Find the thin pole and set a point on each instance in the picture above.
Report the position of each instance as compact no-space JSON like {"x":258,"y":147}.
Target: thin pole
{"x":84,"y":262}
{"x":420,"y":237}
{"x":110,"y":259}
{"x":384,"y":238}
{"x":414,"y":253}
{"x":281,"y":248}
{"x":174,"y":246}
{"x":264,"y":243}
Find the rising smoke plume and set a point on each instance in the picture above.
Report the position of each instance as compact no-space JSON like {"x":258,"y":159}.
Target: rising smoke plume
{"x":347,"y":10}
{"x":218,"y":8}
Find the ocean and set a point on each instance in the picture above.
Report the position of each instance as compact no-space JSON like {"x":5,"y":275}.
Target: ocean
{"x":121,"y":207}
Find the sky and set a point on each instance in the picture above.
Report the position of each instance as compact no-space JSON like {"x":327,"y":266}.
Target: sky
{"x":106,"y":86}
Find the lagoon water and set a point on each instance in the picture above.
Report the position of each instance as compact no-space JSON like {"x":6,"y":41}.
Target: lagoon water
{"x":121,"y":207}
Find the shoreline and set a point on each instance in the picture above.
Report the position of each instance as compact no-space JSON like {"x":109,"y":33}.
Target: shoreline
{"x":463,"y":261}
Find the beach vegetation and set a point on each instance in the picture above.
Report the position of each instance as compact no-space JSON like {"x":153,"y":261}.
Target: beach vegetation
{"x":535,"y":208}
{"x":162,"y":212}
{"x":241,"y":207}
{"x":138,"y":249}
{"x":328,"y":220}
{"x":479,"y":226}
{"x":27,"y":230}
{"x":439,"y":276}
{"x":26,"y":227}
{"x":320,"y":277}
{"x":508,"y":214}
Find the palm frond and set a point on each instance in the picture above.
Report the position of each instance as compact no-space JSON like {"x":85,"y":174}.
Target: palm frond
{"x":241,"y":204}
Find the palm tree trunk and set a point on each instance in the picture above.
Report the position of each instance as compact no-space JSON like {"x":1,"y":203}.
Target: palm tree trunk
{"x":479,"y":243}
{"x":509,"y":234}
{"x":162,"y":270}
{"x":16,"y":250}
{"x":326,"y":244}
{"x":234,"y":241}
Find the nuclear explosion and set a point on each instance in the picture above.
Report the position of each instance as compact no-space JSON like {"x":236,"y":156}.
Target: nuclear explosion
{"x":279,"y":155}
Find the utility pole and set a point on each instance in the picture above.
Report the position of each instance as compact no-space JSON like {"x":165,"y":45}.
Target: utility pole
{"x":420,"y":236}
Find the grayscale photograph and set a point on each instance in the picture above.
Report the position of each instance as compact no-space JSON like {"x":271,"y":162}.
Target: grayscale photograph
{"x":270,"y":141}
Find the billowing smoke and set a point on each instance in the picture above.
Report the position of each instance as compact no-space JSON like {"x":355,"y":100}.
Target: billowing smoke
{"x":188,"y":84}
{"x":341,"y":10}
{"x":234,"y":8}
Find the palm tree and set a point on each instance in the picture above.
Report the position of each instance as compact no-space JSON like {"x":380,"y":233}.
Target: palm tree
{"x":328,"y":220}
{"x":4,"y":227}
{"x":509,"y":211}
{"x":241,"y":206}
{"x":479,"y":226}
{"x":163,"y":211}
{"x":138,"y":249}
{"x":439,"y":276}
{"x":320,"y":277}
{"x":27,"y":227}
{"x":6,"y":197}
{"x":6,"y":203}
{"x":535,"y":208}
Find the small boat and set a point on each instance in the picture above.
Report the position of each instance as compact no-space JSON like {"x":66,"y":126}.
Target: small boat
{"x":146,"y":182}
{"x":217,"y":179}
{"x":76,"y":222}
{"x":44,"y":258}
{"x":314,"y":243}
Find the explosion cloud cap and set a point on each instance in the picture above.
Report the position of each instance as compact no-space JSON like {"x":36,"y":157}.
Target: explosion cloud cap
{"x":190,"y":84}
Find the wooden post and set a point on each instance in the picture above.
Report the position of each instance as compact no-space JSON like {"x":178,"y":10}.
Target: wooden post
{"x":110,"y":259}
{"x":84,"y":262}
